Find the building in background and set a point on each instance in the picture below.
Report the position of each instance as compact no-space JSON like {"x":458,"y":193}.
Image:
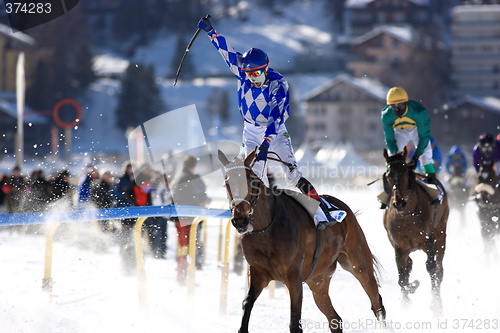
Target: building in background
{"x":475,"y":55}
{"x":361,"y":16}
{"x":380,"y":53}
{"x":467,"y":117}
{"x":345,"y":110}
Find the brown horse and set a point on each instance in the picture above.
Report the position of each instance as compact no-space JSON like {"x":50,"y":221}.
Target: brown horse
{"x":279,"y":240}
{"x":488,"y":201}
{"x":413,"y":223}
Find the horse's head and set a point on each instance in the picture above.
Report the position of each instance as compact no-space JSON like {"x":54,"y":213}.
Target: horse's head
{"x":399,"y":180}
{"x":243,"y":189}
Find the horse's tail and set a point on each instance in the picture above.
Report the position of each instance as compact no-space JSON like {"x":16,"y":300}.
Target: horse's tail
{"x":377,"y":269}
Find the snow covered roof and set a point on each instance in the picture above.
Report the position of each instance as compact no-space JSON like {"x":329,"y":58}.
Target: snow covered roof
{"x":10,"y":108}
{"x":19,"y":36}
{"x":371,"y":87}
{"x":488,"y":102}
{"x":406,"y":34}
{"x":108,"y":65}
{"x":364,"y":3}
{"x":357,"y":3}
{"x":475,"y":9}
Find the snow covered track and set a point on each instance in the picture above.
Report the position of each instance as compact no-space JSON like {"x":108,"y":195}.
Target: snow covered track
{"x":92,"y":295}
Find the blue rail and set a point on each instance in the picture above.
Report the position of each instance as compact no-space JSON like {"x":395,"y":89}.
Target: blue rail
{"x":111,"y":213}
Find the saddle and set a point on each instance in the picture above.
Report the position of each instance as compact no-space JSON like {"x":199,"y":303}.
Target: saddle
{"x":430,"y":189}
{"x":309,"y":204}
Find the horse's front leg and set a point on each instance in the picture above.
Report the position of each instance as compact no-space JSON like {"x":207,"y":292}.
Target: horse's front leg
{"x":434,"y":265}
{"x":258,"y":281}
{"x":405,"y":264}
{"x":294,"y":285}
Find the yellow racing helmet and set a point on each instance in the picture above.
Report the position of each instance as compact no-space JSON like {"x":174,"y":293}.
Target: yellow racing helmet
{"x":396,"y":95}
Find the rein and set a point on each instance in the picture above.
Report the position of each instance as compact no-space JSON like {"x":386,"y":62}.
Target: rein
{"x":290,"y":166}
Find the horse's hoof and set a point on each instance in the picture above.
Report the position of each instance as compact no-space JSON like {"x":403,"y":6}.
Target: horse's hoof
{"x":412,"y":287}
{"x":405,"y":301}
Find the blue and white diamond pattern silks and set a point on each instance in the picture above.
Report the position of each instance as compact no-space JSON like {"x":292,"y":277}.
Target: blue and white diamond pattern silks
{"x":266,"y":106}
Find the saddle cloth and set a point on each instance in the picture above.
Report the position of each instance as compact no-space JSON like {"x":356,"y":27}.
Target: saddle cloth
{"x":311,"y":205}
{"x":432,"y":190}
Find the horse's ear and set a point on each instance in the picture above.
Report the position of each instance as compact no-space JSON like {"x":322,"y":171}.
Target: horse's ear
{"x":223,"y":159}
{"x":405,"y":153}
{"x":386,"y":155}
{"x":250,"y":157}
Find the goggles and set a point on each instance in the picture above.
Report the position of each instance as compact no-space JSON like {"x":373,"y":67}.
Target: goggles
{"x":256,"y":73}
{"x":399,"y":106}
{"x":487,"y":148}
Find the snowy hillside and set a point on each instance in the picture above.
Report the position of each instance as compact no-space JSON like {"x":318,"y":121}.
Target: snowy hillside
{"x":301,"y":28}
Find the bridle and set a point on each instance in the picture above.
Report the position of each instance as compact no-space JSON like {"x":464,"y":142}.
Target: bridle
{"x":407,"y":191}
{"x":253,"y":198}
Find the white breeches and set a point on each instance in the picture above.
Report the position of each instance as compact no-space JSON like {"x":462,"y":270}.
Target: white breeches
{"x":404,"y":136}
{"x":281,"y":145}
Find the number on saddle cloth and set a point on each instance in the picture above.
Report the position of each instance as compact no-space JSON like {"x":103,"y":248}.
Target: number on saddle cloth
{"x":337,"y":214}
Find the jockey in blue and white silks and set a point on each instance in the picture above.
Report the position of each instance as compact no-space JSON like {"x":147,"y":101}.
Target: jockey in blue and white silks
{"x":263,"y":101}
{"x":264,"y":107}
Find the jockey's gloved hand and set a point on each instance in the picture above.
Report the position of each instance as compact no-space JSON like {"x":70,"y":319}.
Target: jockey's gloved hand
{"x":205,"y":24}
{"x":264,"y":147}
{"x":413,"y":162}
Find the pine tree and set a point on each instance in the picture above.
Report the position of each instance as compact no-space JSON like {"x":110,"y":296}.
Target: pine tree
{"x":130,"y":20}
{"x":50,"y":60}
{"x":82,"y":72}
{"x":139,"y":99}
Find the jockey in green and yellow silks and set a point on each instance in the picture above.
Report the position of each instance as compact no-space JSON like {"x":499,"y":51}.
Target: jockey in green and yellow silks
{"x":404,"y":120}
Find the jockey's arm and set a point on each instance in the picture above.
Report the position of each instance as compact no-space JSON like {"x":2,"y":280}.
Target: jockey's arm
{"x":227,"y":52}
{"x":390,"y":138}
{"x":423,"y":121}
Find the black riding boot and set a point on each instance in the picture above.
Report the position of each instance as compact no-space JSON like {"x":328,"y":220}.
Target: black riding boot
{"x":431,"y":179}
{"x":308,"y":189}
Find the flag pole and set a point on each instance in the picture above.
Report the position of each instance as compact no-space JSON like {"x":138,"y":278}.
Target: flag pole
{"x":20,"y":94}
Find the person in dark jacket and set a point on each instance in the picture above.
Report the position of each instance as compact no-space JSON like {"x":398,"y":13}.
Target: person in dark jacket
{"x":61,"y":188}
{"x":100,"y":196}
{"x":188,"y":189}
{"x":15,"y":191}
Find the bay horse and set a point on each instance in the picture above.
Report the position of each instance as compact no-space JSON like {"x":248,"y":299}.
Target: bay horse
{"x":488,"y":201}
{"x":278,"y":238}
{"x":413,"y":223}
{"x":458,"y":191}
